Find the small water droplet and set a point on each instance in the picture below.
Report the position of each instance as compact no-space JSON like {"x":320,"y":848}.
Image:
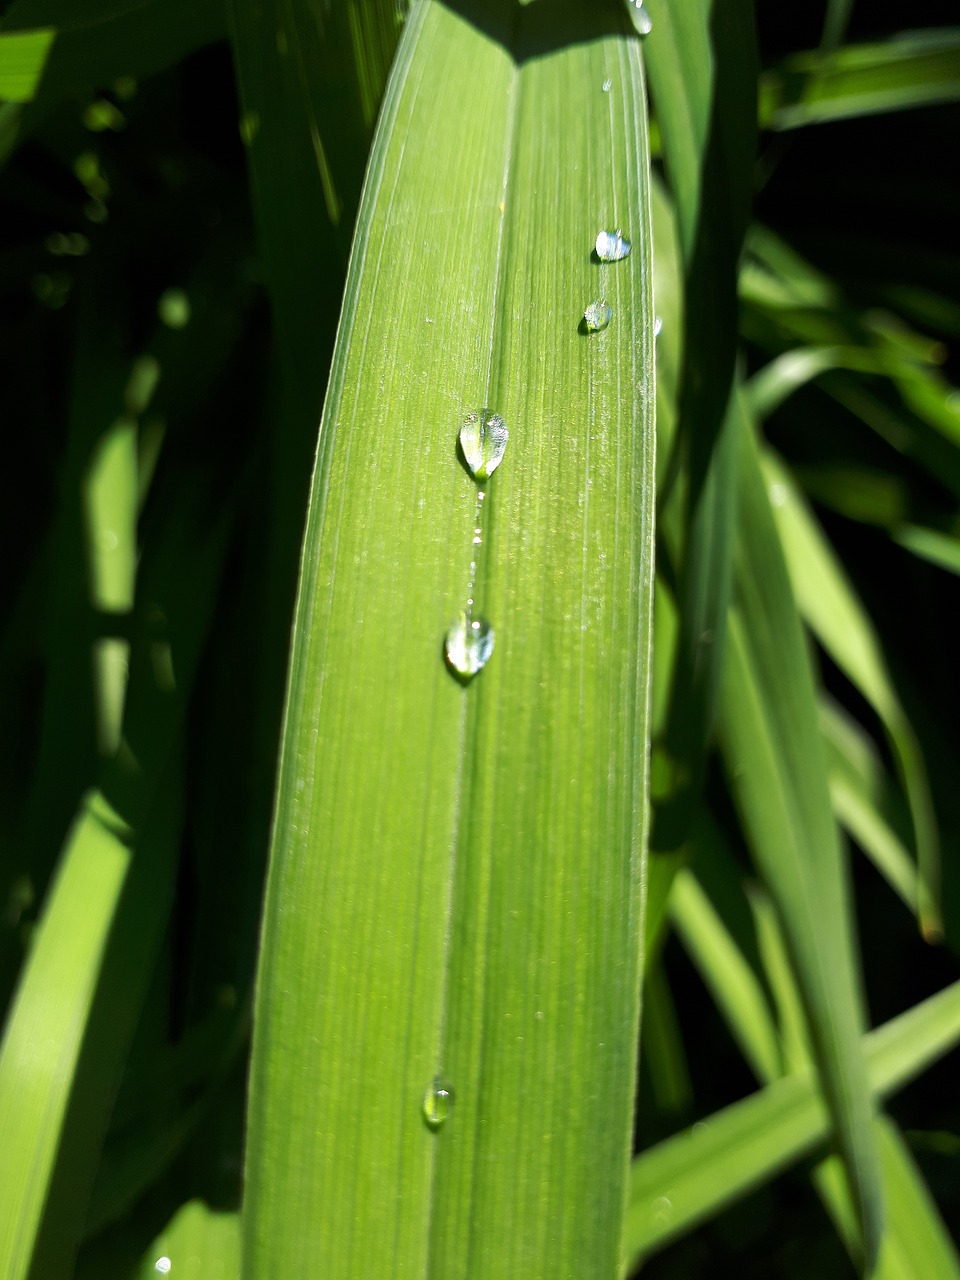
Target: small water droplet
{"x":611,"y":246}
{"x":597,"y":316}
{"x":468,"y":645}
{"x":483,"y":439}
{"x":437,"y":1103}
{"x":607,"y":86}
{"x":162,"y":1265}
{"x":657,"y":325}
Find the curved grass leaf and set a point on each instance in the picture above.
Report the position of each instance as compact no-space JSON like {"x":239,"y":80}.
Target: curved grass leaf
{"x":689,"y":1177}
{"x":837,"y":618}
{"x":912,"y":70}
{"x":772,"y":749}
{"x":455,"y":884}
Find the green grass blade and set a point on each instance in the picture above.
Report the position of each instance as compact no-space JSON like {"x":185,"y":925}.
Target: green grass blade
{"x":197,"y":1240}
{"x":834,"y":613}
{"x":455,"y":880}
{"x":772,"y":749}
{"x":42,"y":1041}
{"x":310,"y":91}
{"x":23,"y":56}
{"x":910,"y":71}
{"x":687,"y":1178}
{"x":917,"y":1243}
{"x":941,"y":549}
{"x":701,"y":57}
{"x":733,"y":983}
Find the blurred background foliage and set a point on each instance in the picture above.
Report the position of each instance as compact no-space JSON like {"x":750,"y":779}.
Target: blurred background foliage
{"x":159,"y":431}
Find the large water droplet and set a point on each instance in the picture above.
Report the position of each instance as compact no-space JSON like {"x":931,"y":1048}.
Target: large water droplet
{"x":641,"y":19}
{"x":437,"y":1103}
{"x":468,"y":645}
{"x":483,"y":439}
{"x":611,"y":246}
{"x":597,"y":316}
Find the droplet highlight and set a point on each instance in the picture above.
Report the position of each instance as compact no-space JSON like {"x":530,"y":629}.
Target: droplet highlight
{"x":468,"y":645}
{"x":607,"y":86}
{"x":657,"y":326}
{"x":611,"y":246}
{"x":437,"y":1104}
{"x":162,"y":1266}
{"x":597,"y":316}
{"x":483,"y":439}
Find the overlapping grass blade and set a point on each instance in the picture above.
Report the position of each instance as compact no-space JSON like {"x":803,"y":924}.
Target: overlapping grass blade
{"x":770,"y":740}
{"x":911,"y":70}
{"x":689,"y":1177}
{"x":835,"y":615}
{"x":699,"y":63}
{"x":455,"y":880}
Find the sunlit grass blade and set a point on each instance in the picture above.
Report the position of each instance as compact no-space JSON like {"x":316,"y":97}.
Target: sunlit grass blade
{"x":689,"y":1177}
{"x":917,"y":1244}
{"x":455,"y":892}
{"x":911,"y":70}
{"x":772,"y":750}
{"x":23,"y":55}
{"x":834,"y":613}
{"x":941,"y":549}
{"x":197,"y":1239}
{"x":734,"y":985}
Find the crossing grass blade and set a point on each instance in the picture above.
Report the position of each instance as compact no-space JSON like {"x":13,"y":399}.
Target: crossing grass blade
{"x":913,"y":70}
{"x":689,"y":1177}
{"x":455,"y":887}
{"x":772,"y":750}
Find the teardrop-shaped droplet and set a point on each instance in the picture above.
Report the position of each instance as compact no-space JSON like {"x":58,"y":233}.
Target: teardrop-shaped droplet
{"x":468,"y":645}
{"x":641,"y":18}
{"x":483,"y":439}
{"x":611,"y":246}
{"x":437,"y":1103}
{"x":597,"y":316}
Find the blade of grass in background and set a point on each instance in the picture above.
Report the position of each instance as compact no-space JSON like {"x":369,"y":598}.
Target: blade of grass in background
{"x":833,"y":612}
{"x":689,"y":1177}
{"x":455,"y":890}
{"x":774,"y":758}
{"x":96,"y":43}
{"x":700,"y":57}
{"x":197,"y":1240}
{"x":911,"y":70}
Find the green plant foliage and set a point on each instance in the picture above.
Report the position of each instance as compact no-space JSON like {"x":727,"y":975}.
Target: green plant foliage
{"x":353,"y":988}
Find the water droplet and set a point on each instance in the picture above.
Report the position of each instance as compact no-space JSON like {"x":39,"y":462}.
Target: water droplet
{"x":468,"y":645}
{"x":657,"y":325}
{"x":597,"y":316}
{"x":162,"y":1265}
{"x":607,"y":86}
{"x":641,"y":19}
{"x":483,"y":439}
{"x":437,"y":1103}
{"x":611,"y":246}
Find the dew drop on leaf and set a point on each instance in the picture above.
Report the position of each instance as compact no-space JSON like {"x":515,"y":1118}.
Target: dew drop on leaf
{"x":611,"y":246}
{"x":468,"y":645}
{"x":597,"y":316}
{"x":437,"y":1103}
{"x":483,"y":439}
